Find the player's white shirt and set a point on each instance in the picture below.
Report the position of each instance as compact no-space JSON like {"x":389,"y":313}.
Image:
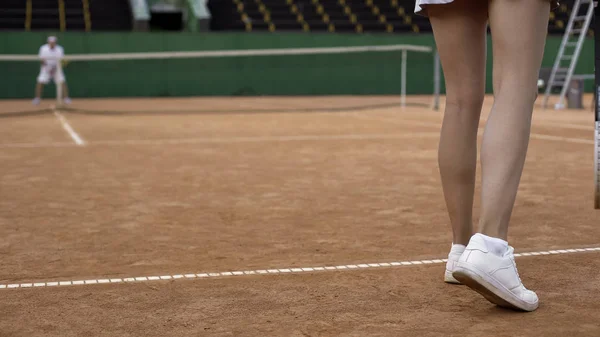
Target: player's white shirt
{"x":51,"y":69}
{"x":51,"y":56}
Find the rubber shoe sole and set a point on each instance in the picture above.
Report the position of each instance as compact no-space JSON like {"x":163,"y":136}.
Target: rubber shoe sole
{"x":489,"y":288}
{"x":448,"y":278}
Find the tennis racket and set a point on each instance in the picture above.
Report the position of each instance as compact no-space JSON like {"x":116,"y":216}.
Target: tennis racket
{"x":597,"y":110}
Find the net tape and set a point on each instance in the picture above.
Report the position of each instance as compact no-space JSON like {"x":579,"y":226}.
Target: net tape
{"x":226,"y":53}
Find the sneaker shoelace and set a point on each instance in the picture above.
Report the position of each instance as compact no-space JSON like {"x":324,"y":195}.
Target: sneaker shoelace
{"x":512,"y":258}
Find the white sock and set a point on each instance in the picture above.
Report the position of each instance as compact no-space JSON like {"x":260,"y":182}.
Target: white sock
{"x":495,"y":245}
{"x":455,"y":252}
{"x":457,"y":249}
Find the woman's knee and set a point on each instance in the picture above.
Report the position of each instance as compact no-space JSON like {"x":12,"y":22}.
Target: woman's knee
{"x":523,"y":89}
{"x":465,"y":101}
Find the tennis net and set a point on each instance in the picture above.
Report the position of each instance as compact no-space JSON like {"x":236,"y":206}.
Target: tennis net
{"x":356,"y":70}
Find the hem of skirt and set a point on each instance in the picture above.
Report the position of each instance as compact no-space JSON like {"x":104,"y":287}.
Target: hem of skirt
{"x":422,"y":8}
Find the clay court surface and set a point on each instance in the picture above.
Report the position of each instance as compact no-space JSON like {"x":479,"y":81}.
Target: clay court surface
{"x":194,"y":190}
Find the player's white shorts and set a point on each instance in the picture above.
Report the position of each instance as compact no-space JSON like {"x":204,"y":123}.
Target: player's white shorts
{"x":47,"y":73}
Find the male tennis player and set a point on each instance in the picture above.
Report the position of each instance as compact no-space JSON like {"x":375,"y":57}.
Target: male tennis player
{"x":51,"y":55}
{"x":483,"y":260}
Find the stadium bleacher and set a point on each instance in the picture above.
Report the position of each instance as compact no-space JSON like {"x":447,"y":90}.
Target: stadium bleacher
{"x":13,"y":14}
{"x":113,"y":15}
{"x":391,"y":16}
{"x":65,"y":15}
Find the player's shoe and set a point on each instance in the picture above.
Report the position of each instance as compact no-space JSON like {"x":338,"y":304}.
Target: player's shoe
{"x":494,"y":276}
{"x":36,"y":101}
{"x":455,"y":253}
{"x":67,"y":100}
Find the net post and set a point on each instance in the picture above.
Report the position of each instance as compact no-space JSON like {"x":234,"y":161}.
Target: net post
{"x":58,"y":94}
{"x":59,"y":85}
{"x":403,"y":79}
{"x":436,"y":80}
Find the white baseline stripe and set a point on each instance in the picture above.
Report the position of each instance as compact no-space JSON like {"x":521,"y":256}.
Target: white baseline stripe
{"x":261,"y":139}
{"x":563,"y":125}
{"x":36,"y":145}
{"x":80,"y":142}
{"x":275,"y":139}
{"x":561,"y":139}
{"x":65,"y":124}
{"x":537,"y":136}
{"x":261,"y":272}
{"x":228,"y":140}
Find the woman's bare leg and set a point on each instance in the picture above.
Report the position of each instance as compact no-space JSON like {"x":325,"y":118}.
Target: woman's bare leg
{"x":460,"y":33}
{"x":519,"y":29}
{"x":487,"y":265}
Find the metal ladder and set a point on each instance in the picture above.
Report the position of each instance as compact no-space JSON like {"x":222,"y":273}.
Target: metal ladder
{"x":561,"y":76}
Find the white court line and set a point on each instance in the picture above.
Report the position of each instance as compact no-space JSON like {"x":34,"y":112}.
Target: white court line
{"x":561,"y":139}
{"x":564,"y":125}
{"x":537,"y":136}
{"x":65,"y":124}
{"x":537,"y":121}
{"x":261,"y":272}
{"x":275,"y":139}
{"x":36,"y":145}
{"x":260,"y":139}
{"x":229,"y":140}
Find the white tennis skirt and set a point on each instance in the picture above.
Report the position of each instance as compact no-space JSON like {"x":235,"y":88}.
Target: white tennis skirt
{"x":421,"y":4}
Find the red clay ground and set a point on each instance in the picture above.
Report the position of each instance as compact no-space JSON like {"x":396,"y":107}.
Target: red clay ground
{"x":354,"y":180}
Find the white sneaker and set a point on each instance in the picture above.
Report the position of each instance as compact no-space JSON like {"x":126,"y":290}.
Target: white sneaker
{"x":67,"y":100}
{"x":36,"y":101}
{"x":455,"y":253}
{"x":495,"y":277}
